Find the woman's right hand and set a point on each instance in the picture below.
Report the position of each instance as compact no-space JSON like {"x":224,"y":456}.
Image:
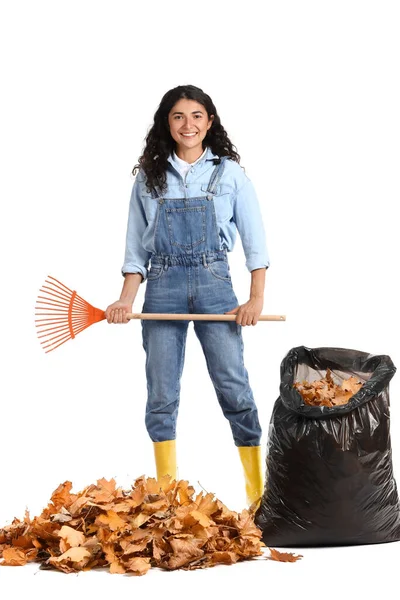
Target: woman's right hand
{"x":116,"y":312}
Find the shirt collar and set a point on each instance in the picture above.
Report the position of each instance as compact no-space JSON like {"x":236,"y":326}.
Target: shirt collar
{"x":208,"y":156}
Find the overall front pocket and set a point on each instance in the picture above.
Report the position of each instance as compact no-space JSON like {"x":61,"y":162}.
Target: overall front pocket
{"x":155,"y":272}
{"x":186,"y":226}
{"x":220,"y":270}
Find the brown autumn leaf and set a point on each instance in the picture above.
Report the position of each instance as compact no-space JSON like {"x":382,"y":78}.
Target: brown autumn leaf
{"x":351,"y":385}
{"x":62,"y":495}
{"x":22,"y":541}
{"x":76,"y":554}
{"x":140,"y":519}
{"x":184,"y":551}
{"x":246,"y":525}
{"x":341,"y":398}
{"x":283,"y":556}
{"x":112,"y":520}
{"x":226,"y":558}
{"x":185,"y":492}
{"x":70,"y":538}
{"x":206,"y":504}
{"x":14,"y":557}
{"x":107,"y":485}
{"x":77,"y":505}
{"x":60,"y":518}
{"x":137,"y":565}
{"x":74,"y":559}
{"x":116,"y":567}
{"x":131,"y":547}
{"x":201,"y":518}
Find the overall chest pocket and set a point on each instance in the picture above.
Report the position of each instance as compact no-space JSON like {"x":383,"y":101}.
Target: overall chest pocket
{"x":186,"y":226}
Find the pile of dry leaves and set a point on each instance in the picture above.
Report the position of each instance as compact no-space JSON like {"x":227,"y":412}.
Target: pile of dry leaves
{"x":155,"y":524}
{"x":325,"y":392}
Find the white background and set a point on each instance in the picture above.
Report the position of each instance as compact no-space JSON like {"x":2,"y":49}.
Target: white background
{"x":309,"y":94}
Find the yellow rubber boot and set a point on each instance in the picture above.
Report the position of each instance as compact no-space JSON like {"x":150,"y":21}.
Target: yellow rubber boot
{"x":165,"y":456}
{"x":250,"y":457}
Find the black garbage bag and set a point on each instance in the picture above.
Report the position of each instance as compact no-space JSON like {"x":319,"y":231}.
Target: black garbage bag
{"x":329,"y":475}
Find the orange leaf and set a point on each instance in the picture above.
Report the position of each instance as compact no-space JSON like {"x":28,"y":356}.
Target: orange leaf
{"x":116,"y":567}
{"x":283,"y":556}
{"x":14,"y":557}
{"x":137,"y":565}
{"x":206,"y":505}
{"x":62,"y":496}
{"x":112,"y":519}
{"x":227,"y":558}
{"x":79,"y":557}
{"x":108,"y":485}
{"x":185,"y":550}
{"x":71,"y":537}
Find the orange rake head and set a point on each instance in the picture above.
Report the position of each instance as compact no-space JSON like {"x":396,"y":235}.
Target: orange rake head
{"x":67,"y":314}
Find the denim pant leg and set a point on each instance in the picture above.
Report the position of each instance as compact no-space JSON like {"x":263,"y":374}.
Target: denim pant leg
{"x":164,"y":343}
{"x":222,"y":345}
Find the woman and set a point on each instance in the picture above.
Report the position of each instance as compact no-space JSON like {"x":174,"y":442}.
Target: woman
{"x":188,"y":199}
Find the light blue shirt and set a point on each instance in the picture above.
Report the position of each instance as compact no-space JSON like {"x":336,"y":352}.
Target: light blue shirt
{"x":236,"y":208}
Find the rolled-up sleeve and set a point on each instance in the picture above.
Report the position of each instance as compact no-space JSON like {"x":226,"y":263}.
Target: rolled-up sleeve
{"x":136,"y":257}
{"x":248,"y":219}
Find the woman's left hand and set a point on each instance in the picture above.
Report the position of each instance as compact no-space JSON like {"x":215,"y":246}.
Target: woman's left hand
{"x":248,"y":313}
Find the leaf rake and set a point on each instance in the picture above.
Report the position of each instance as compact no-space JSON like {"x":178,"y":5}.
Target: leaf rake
{"x":65,"y":314}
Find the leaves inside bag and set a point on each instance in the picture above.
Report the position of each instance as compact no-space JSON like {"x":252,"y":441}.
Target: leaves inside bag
{"x":325,"y":392}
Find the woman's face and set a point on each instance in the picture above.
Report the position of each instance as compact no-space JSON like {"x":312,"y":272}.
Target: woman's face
{"x":189,"y":117}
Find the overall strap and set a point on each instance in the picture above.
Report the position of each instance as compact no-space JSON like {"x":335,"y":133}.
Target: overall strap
{"x":216,"y":175}
{"x":154,"y":193}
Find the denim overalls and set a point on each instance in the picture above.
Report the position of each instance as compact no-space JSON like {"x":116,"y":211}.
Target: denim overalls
{"x":189,"y":273}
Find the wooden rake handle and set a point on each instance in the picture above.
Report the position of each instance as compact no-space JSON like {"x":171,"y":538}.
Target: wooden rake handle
{"x":197,"y":317}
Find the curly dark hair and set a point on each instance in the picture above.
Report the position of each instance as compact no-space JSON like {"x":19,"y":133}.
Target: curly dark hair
{"x":159,"y":143}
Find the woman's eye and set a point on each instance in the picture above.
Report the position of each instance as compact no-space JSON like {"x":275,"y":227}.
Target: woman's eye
{"x":196,"y":116}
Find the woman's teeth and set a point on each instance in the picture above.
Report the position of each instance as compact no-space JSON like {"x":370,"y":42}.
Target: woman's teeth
{"x":188,"y":134}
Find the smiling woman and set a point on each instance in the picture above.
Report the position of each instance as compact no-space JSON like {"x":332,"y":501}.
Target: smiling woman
{"x":189,"y":199}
